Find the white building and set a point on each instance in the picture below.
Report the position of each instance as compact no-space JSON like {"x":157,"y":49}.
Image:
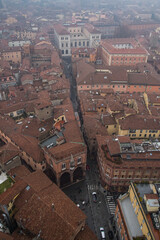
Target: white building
{"x":76,"y":36}
{"x":18,"y":43}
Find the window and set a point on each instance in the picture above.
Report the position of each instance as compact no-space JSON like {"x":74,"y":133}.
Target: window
{"x":75,"y":44}
{"x":79,"y":43}
{"x":132,"y":131}
{"x":62,"y":51}
{"x":87,"y":43}
{"x":83,"y":43}
{"x":62,"y":38}
{"x":66,"y":38}
{"x":63,"y":166}
{"x":66,"y":44}
{"x":79,"y":160}
{"x":66,"y":51}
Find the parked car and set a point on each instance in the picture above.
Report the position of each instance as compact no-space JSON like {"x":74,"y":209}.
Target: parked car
{"x":94,"y":196}
{"x":110,"y":234}
{"x":102,"y":233}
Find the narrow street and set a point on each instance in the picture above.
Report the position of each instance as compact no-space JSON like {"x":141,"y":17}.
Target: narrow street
{"x":97,"y":212}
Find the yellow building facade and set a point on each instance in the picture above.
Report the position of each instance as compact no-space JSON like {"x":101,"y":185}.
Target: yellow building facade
{"x":141,"y":216}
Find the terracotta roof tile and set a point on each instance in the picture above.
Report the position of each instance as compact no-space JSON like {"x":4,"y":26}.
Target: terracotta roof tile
{"x":37,"y":217}
{"x":19,"y":172}
{"x":86,"y":234}
{"x":137,"y":49}
{"x":18,"y":234}
{"x":38,"y":181}
{"x":11,"y":192}
{"x":61,"y":30}
{"x":139,"y":122}
{"x":7,"y":152}
{"x":5,"y":236}
{"x":46,"y":210}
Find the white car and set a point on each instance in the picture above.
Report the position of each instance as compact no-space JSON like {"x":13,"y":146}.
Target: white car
{"x":102,"y":233}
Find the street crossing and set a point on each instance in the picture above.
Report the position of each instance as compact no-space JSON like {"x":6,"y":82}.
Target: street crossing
{"x":111,"y":204}
{"x":92,"y":187}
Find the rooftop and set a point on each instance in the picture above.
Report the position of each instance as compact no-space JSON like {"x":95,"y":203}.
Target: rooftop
{"x":123,"y":46}
{"x":130,"y":217}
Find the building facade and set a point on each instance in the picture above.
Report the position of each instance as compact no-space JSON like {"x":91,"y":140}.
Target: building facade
{"x":122,"y":161}
{"x":133,"y":217}
{"x":118,"y":52}
{"x":75,"y":36}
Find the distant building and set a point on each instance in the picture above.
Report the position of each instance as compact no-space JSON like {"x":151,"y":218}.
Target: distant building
{"x":120,"y":79}
{"x":75,"y":36}
{"x":88,"y":53}
{"x":43,"y":110}
{"x":13,"y":55}
{"x":18,"y":43}
{"x":125,"y":51}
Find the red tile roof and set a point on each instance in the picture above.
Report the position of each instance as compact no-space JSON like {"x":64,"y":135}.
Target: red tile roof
{"x":11,"y":192}
{"x":60,"y":29}
{"x":137,"y":48}
{"x":5,"y":236}
{"x":45,"y":211}
{"x":139,"y":122}
{"x":8,"y":152}
{"x":86,"y":234}
{"x":19,"y":172}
